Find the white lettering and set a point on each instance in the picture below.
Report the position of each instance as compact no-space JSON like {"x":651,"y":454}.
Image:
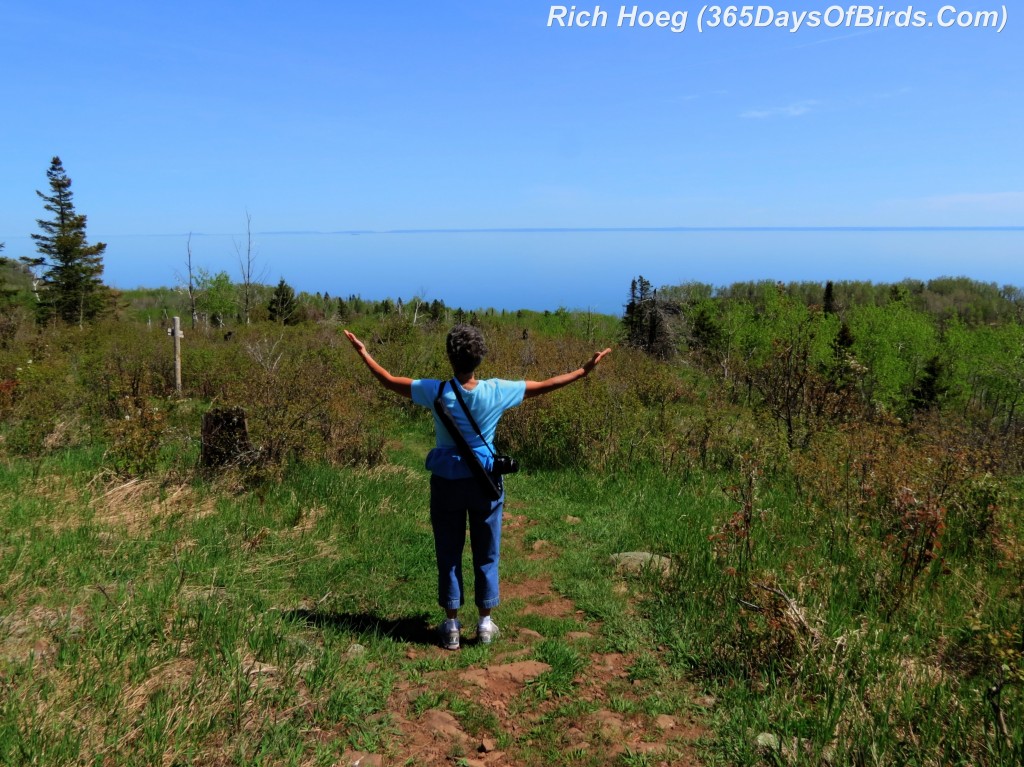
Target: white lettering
{"x":986,"y":19}
{"x":570,"y":17}
{"x":798,"y":20}
{"x":865,"y":16}
{"x":557,"y":13}
{"x":634,"y":17}
{"x":831,"y":19}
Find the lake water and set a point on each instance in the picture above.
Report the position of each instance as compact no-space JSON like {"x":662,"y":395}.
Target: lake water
{"x":577,"y":269}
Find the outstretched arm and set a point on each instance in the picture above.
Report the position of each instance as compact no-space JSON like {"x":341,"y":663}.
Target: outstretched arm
{"x":536,"y":388}
{"x":397,"y":384}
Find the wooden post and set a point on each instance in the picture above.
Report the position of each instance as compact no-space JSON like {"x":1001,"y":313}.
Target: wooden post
{"x":176,"y":332}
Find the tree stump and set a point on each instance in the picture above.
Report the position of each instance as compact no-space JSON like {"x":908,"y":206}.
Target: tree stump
{"x":225,"y":437}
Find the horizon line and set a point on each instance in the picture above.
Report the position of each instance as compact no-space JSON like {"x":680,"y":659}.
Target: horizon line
{"x":586,"y":230}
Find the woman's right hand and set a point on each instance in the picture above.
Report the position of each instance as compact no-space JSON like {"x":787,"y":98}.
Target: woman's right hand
{"x":598,"y":356}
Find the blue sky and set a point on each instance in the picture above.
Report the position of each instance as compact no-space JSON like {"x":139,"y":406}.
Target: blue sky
{"x":321,"y":117}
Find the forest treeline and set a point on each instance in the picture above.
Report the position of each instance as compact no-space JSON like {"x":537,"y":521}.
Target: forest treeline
{"x":810,"y":355}
{"x":218,"y":298}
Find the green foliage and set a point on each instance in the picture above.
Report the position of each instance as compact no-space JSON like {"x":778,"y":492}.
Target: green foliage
{"x":156,"y":305}
{"x":70,"y":289}
{"x":941,"y":299}
{"x":217,"y":297}
{"x":15,"y":289}
{"x":986,"y":372}
{"x":604,"y":422}
{"x":282,"y":308}
{"x":136,"y":438}
{"x":791,"y":366}
{"x":894,"y":343}
{"x":302,"y":401}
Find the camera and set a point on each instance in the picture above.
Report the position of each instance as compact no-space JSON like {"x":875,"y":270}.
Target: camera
{"x":505,"y":464}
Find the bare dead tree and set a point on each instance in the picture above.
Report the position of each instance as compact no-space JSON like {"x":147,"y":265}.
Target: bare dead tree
{"x":247,"y":264}
{"x":419,"y":300}
{"x":191,"y":283}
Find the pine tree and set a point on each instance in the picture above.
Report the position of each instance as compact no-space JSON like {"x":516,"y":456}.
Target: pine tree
{"x":71,"y":288}
{"x":647,"y":320}
{"x":929,"y":388}
{"x":282,"y":307}
{"x":830,"y":298}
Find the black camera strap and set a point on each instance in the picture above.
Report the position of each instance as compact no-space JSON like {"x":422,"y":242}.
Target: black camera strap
{"x":487,"y":484}
{"x":458,"y":396}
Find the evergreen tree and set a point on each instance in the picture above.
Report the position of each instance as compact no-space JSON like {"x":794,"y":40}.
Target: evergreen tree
{"x":843,"y":341}
{"x":705,"y":330}
{"x":282,"y":307}
{"x":71,"y":288}
{"x":647,"y":320}
{"x":830,"y":298}
{"x":929,"y":388}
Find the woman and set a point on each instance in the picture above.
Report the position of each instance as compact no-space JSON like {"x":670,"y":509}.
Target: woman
{"x":454,"y":491}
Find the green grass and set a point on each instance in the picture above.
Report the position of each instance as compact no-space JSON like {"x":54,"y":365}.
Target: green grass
{"x":193,"y":619}
{"x":153,"y":619}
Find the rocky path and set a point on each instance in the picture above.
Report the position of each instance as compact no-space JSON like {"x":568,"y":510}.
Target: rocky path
{"x":584,"y":707}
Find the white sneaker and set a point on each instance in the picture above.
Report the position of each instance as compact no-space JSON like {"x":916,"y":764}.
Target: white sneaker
{"x":486,"y":632}
{"x":450,"y":634}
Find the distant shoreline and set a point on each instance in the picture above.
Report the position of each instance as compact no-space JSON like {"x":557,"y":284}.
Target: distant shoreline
{"x":574,"y":230}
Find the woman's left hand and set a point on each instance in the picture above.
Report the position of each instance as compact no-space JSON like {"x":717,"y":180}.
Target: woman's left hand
{"x":358,"y":345}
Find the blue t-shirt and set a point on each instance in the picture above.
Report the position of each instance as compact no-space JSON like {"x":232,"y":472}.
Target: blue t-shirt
{"x":486,"y":401}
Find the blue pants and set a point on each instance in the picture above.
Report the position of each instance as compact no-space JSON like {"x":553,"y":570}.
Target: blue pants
{"x":451,"y":500}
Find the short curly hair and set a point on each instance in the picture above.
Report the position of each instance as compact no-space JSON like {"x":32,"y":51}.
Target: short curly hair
{"x":466,"y":348}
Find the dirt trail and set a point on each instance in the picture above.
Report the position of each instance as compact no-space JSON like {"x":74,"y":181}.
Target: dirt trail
{"x":498,"y":714}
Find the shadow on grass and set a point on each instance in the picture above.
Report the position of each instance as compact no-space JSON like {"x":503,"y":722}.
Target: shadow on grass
{"x":414,"y":629}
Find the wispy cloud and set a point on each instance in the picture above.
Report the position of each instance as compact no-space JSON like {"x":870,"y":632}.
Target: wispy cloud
{"x":795,"y":109}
